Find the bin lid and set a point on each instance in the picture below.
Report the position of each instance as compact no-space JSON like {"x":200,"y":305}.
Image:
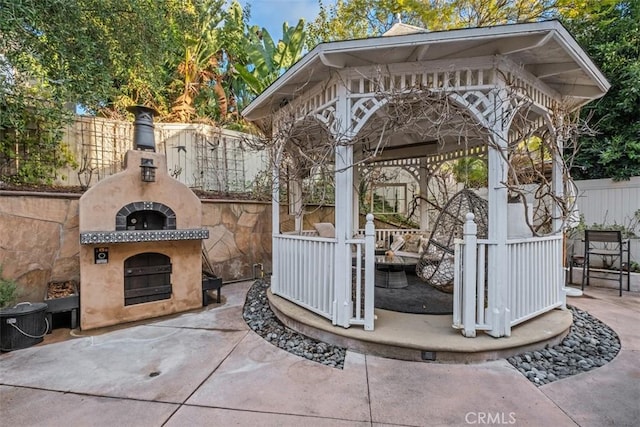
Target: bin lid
{"x":23,"y":308}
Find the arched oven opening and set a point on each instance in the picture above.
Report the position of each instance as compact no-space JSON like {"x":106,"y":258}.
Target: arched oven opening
{"x":147,"y":277}
{"x":146,"y":220}
{"x":145,"y":216}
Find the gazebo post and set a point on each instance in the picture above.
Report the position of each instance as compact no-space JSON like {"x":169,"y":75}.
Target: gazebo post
{"x":355,"y":197}
{"x":275,"y":213}
{"x":498,"y":229}
{"x":343,"y":303}
{"x":557,"y":174}
{"x":343,"y":216}
{"x":557,"y":180}
{"x":423,"y":185}
{"x":295,"y":203}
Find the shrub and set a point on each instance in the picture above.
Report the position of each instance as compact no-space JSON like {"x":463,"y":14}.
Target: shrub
{"x":8,"y":291}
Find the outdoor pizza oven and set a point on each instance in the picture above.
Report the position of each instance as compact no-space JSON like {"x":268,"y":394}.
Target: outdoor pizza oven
{"x":140,"y":240}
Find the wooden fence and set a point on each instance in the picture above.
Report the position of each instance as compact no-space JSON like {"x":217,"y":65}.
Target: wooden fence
{"x":610,"y":203}
{"x":201,"y":156}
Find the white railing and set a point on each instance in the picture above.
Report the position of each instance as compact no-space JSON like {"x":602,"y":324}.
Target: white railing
{"x":534,"y":285}
{"x":536,"y":277}
{"x":363,"y":284}
{"x":384,"y":234}
{"x":470,"y":305}
{"x":470,"y":295}
{"x":304,"y":273}
{"x":308,"y":233}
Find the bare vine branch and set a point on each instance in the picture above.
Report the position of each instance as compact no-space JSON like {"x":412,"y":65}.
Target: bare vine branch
{"x":447,"y":123}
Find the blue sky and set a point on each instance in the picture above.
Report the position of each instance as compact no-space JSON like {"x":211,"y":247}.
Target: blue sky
{"x":272,"y":13}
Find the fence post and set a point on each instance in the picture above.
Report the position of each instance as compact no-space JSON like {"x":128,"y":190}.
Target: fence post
{"x":457,"y":284}
{"x":469,"y":265}
{"x":369,"y":272}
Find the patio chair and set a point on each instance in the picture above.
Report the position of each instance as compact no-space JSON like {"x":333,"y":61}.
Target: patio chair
{"x":608,"y":245}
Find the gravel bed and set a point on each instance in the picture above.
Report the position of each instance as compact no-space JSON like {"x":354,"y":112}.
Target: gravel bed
{"x":589,"y":344}
{"x":261,"y":319}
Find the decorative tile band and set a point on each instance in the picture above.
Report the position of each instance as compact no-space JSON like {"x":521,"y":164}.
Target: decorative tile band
{"x":133,"y":236}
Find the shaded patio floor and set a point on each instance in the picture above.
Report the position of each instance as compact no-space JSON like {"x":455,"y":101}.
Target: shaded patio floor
{"x":418,"y":298}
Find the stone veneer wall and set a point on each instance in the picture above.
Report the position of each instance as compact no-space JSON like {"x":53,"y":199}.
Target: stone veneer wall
{"x":39,"y":239}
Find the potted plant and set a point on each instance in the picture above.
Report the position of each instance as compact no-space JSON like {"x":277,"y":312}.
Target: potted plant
{"x":8,"y":291}
{"x":21,"y":325}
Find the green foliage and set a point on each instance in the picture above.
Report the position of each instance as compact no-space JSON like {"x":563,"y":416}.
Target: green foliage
{"x":55,"y":54}
{"x":8,"y":291}
{"x":267,"y":60}
{"x":81,"y":50}
{"x":262,"y":186}
{"x":472,"y":171}
{"x":175,"y":56}
{"x":352,"y":19}
{"x":611,"y":36}
{"x":31,"y":147}
{"x":628,"y":230}
{"x":343,"y":20}
{"x":197,"y":67}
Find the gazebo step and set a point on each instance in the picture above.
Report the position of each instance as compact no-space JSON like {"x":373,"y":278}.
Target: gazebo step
{"x":421,"y":337}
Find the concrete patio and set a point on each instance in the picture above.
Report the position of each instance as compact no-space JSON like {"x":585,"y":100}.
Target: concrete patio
{"x":207,"y":368}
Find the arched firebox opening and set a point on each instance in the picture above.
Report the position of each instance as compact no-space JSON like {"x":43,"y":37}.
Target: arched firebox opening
{"x":146,"y":220}
{"x":147,"y":277}
{"x":146,"y":216}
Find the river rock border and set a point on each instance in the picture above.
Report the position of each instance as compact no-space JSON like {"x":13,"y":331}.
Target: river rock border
{"x":261,"y":319}
{"x":589,"y":344}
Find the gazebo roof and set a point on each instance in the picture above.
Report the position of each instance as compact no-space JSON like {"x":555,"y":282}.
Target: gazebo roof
{"x":544,"y":49}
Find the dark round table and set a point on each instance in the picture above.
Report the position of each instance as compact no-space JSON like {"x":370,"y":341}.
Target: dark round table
{"x":390,"y":271}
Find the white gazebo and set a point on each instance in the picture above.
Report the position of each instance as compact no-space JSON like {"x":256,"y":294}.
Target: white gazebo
{"x":414,"y":98}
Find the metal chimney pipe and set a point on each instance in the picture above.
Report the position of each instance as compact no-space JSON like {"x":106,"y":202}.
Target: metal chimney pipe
{"x":143,"y":137}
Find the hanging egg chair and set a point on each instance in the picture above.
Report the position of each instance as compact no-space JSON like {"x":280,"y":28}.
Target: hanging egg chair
{"x":436,"y":265}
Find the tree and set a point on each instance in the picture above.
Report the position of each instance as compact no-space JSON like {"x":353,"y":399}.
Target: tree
{"x":105,"y":55}
{"x":268,"y":60}
{"x":234,"y":36}
{"x":611,"y":36}
{"x":471,"y":171}
{"x":55,"y":54}
{"x":352,"y":19}
{"x":201,"y":52}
